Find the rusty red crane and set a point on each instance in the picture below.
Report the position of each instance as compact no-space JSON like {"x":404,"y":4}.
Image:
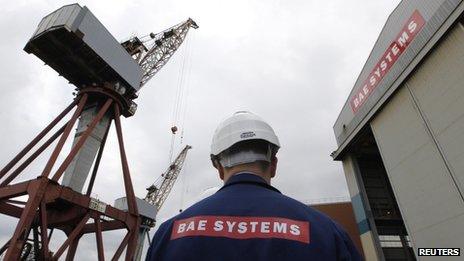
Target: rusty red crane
{"x":108,"y":76}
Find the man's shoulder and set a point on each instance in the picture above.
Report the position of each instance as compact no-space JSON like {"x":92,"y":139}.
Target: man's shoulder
{"x":199,"y":207}
{"x":279,"y":202}
{"x":190,"y":211}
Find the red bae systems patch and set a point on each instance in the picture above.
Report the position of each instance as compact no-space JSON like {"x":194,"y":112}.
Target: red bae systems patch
{"x":401,"y":42}
{"x":242,"y":228}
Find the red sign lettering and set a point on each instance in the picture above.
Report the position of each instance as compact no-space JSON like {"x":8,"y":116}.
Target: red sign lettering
{"x":242,"y":228}
{"x":404,"y":38}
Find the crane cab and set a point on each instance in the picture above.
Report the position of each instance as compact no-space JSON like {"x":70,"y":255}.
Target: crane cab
{"x":77,"y":45}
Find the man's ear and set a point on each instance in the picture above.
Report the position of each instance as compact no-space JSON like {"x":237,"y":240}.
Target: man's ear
{"x":273,"y":166}
{"x":220,"y":169}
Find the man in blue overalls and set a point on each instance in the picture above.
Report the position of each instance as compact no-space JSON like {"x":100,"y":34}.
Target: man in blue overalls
{"x":248,"y":219}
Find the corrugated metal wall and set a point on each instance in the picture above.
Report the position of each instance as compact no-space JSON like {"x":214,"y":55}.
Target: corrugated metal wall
{"x":63,"y":16}
{"x":420,"y":134}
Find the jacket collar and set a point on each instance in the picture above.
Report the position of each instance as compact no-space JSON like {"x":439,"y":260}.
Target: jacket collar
{"x":248,"y":178}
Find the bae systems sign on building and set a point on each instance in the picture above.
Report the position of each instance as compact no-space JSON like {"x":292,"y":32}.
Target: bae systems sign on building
{"x":391,"y":55}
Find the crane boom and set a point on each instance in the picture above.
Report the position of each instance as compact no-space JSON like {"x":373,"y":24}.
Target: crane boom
{"x":163,"y":45}
{"x":157,"y":195}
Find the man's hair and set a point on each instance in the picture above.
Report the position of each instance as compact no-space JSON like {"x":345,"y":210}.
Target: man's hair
{"x":259,"y":146}
{"x":263,"y":165}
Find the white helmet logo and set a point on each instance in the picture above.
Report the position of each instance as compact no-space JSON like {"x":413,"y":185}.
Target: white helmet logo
{"x":248,"y":134}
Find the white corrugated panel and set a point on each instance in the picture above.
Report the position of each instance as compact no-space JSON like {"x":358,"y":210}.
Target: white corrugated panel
{"x":420,"y":137}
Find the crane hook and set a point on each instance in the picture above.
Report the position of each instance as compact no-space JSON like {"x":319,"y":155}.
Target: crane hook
{"x":174,"y":129}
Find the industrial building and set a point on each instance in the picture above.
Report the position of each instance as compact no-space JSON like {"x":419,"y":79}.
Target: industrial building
{"x":342,"y":213}
{"x":400,"y":134}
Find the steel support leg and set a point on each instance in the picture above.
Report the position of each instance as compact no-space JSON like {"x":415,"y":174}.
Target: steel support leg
{"x":36,"y":193}
{"x":97,"y":162}
{"x":28,"y":161}
{"x":132,"y":246}
{"x":76,"y":232}
{"x":43,"y":229}
{"x":121,"y":247}
{"x":67,"y":130}
{"x":131,"y":204}
{"x":81,"y":141}
{"x":72,"y":248}
{"x":27,"y":216}
{"x":143,"y":230}
{"x":4,"y":247}
{"x":36,"y":140}
{"x":99,"y":237}
{"x":36,"y":243}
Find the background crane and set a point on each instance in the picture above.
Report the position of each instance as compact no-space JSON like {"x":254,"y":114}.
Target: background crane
{"x":159,"y":191}
{"x":157,"y":194}
{"x":153,"y":51}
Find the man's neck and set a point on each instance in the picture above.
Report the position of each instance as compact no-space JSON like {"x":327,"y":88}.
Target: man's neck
{"x":257,"y":173}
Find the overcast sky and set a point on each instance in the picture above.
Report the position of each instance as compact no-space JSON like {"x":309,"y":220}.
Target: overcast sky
{"x":291,"y":62}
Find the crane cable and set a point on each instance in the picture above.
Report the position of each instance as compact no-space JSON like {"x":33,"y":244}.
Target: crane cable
{"x":184,"y":188}
{"x":182,"y":114}
{"x":178,"y":105}
{"x":186,"y":100}
{"x":184,"y":182}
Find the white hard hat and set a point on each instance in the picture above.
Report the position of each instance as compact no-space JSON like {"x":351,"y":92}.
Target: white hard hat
{"x":241,"y":126}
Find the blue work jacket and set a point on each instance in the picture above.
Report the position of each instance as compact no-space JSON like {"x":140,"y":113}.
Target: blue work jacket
{"x":247,"y":219}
